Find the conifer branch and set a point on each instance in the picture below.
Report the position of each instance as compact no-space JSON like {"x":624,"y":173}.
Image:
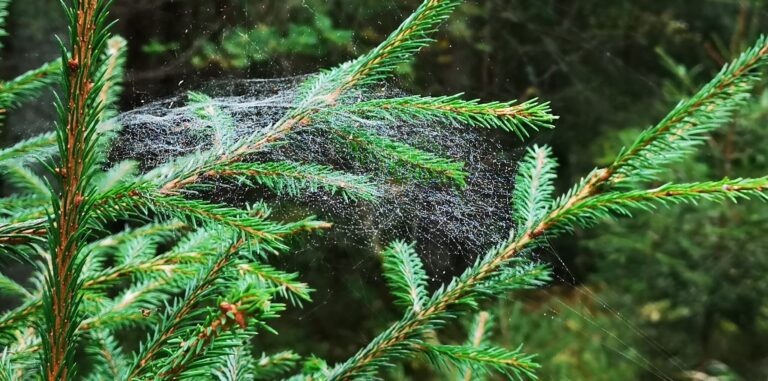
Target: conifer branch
{"x":11,"y":288}
{"x":38,"y":145}
{"x":590,"y":210}
{"x":19,"y":359}
{"x":110,"y":361}
{"x":238,"y":366}
{"x":513,"y":364}
{"x":227,"y":292}
{"x":25,"y":180}
{"x":178,"y":264}
{"x":286,"y":284}
{"x":320,"y":94}
{"x":15,"y":237}
{"x":143,"y":200}
{"x":394,"y":155}
{"x":495,"y":271}
{"x":404,"y":338}
{"x":405,"y":275}
{"x":688,"y":124}
{"x":14,"y":206}
{"x":218,"y":334}
{"x":169,"y":264}
{"x":478,"y":336}
{"x":126,"y":309}
{"x":400,"y":47}
{"x":112,"y":70}
{"x":506,"y":116}
{"x":270,"y":367}
{"x":534,"y":186}
{"x":78,"y":112}
{"x":28,"y":86}
{"x":18,"y":318}
{"x":180,"y":314}
{"x":295,"y":178}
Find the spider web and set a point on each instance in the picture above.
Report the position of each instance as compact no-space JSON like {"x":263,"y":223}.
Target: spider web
{"x":444,"y":219}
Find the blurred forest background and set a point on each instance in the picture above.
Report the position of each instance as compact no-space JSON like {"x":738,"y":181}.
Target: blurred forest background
{"x":679,"y":294}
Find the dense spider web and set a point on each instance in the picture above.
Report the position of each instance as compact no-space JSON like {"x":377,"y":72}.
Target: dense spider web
{"x":444,"y":219}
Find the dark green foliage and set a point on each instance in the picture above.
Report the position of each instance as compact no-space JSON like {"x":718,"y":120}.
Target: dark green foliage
{"x":194,"y":276}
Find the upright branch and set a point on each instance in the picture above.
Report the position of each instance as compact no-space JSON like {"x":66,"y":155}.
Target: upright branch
{"x":79,"y":112}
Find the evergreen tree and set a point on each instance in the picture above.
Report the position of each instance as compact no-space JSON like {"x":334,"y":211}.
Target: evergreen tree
{"x":195,"y":274}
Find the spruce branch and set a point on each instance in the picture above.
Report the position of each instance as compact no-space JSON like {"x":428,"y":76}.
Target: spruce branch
{"x":11,"y":288}
{"x":79,"y":111}
{"x":117,"y":175}
{"x":534,"y":186}
{"x":395,"y":155}
{"x":677,"y":134}
{"x":180,"y":315}
{"x":400,"y":47}
{"x":506,"y":116}
{"x":238,"y":365}
{"x":167,"y":265}
{"x":14,"y":206}
{"x":237,"y":315}
{"x":495,"y":273}
{"x":513,"y":364}
{"x":178,"y":264}
{"x":25,"y":150}
{"x":270,"y":367}
{"x":296,"y":178}
{"x":142,"y":200}
{"x":26,"y":181}
{"x":19,"y":359}
{"x":479,"y":333}
{"x":405,"y":275}
{"x":688,"y":124}
{"x":15,"y":320}
{"x":112,"y":70}
{"x":110,"y":361}
{"x":28,"y":86}
{"x":324,"y":90}
{"x":17,"y":237}
{"x":219,"y":122}
{"x":246,"y":305}
{"x":320,"y":94}
{"x":202,"y":330}
{"x":285,"y":284}
{"x":587,"y":212}
{"x":405,"y":337}
{"x":126,"y":310}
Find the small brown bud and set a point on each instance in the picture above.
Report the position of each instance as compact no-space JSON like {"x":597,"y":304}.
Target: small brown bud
{"x":227,"y":307}
{"x":240,"y":319}
{"x":73,"y":64}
